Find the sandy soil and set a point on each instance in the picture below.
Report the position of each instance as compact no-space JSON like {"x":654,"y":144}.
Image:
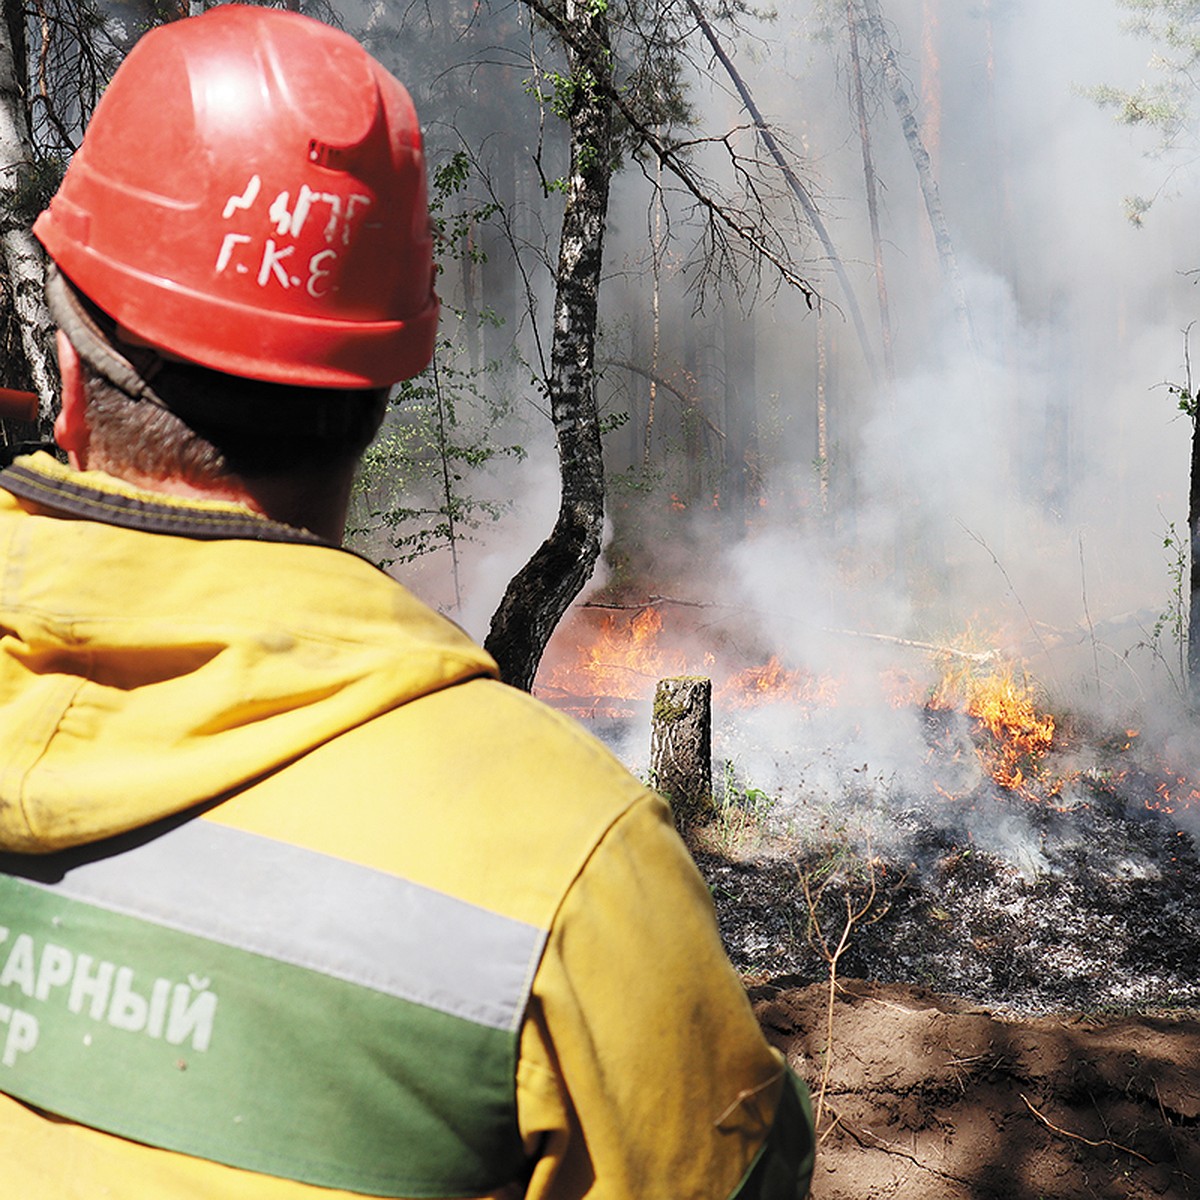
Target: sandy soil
{"x":939,"y":1099}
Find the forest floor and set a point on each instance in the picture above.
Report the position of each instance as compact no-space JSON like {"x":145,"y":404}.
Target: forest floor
{"x":1015,"y":1012}
{"x":939,"y":1099}
{"x":1029,"y":1032}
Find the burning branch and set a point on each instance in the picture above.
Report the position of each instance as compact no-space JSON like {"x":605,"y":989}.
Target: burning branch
{"x":650,"y":602}
{"x":982,"y":657}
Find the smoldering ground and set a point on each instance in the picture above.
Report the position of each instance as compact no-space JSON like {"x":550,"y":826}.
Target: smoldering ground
{"x":1017,"y":487}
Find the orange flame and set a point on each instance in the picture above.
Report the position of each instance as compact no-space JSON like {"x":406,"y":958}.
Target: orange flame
{"x":1020,"y":735}
{"x":622,"y":662}
{"x":773,"y":683}
{"x":621,"y":657}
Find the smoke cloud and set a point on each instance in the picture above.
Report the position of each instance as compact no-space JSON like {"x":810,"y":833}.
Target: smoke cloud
{"x":1017,"y":491}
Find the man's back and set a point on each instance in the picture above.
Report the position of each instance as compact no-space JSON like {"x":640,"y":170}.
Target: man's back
{"x":430,"y":940}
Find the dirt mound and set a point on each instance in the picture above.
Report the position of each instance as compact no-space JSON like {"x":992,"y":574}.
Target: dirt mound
{"x":936,"y":1098}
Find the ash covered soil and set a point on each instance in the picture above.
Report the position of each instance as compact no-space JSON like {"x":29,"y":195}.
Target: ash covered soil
{"x":1031,"y":1025}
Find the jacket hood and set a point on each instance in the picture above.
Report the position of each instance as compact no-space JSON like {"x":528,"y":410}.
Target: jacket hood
{"x":143,"y":673}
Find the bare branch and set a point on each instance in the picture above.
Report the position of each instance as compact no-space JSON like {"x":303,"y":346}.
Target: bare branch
{"x":743,"y":230}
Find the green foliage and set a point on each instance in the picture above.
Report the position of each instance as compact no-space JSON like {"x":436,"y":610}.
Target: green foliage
{"x":738,"y":820}
{"x":1167,"y":638}
{"x":453,"y":228}
{"x":1162,"y":106}
{"x":414,"y":486}
{"x":36,"y":181}
{"x":564,"y":91}
{"x":647,"y":65}
{"x":1165,"y":105}
{"x":633,"y":482}
{"x":1185,"y":392}
{"x":613,"y":421}
{"x":1185,"y":399}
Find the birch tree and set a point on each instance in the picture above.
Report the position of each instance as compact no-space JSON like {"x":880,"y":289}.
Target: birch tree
{"x":902,"y":99}
{"x":616,"y":104}
{"x":55,"y":58}
{"x":24,"y":272}
{"x":542,"y":590}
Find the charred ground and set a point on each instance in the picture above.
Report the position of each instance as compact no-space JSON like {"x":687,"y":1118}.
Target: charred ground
{"x":1109,"y":917}
{"x":1030,"y":1029}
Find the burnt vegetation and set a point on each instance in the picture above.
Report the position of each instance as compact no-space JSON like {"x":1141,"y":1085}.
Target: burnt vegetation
{"x":1085,"y":898}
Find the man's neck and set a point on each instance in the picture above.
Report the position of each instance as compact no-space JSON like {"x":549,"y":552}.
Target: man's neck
{"x":316,"y":500}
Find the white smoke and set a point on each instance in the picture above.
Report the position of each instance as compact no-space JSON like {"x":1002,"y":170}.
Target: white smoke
{"x":1022,"y":488}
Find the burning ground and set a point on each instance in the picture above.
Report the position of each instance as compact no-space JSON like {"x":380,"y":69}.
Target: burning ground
{"x":1019,"y":887}
{"x":1051,"y":929}
{"x":1031,"y":904}
{"x":991,"y":850}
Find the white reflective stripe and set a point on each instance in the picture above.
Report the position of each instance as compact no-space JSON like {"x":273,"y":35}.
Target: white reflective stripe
{"x":322,"y":913}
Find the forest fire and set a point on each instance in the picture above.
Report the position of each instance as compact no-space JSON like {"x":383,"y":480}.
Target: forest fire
{"x":1027,"y":858}
{"x":1012,"y":855}
{"x":1018,"y":735}
{"x":621,"y":657}
{"x":773,"y":683}
{"x":618,"y":666}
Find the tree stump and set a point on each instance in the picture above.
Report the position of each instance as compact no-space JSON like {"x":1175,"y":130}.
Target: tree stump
{"x":681,"y":746}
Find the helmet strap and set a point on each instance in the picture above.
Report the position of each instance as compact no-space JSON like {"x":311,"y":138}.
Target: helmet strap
{"x":130,"y":372}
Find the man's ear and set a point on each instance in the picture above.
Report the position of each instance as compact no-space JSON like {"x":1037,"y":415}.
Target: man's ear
{"x":70,"y":426}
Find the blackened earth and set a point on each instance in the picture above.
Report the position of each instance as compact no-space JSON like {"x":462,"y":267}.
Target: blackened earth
{"x":1109,"y":917}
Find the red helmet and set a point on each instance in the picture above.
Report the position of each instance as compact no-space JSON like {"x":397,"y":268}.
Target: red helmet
{"x":250,"y":195}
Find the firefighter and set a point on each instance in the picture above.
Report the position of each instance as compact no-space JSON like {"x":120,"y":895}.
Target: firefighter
{"x":296,"y":898}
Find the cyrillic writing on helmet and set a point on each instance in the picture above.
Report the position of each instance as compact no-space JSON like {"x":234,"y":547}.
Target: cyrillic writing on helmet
{"x":272,"y":259}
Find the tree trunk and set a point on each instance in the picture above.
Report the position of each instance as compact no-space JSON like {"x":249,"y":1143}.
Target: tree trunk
{"x":931,"y":82}
{"x":905,"y":109}
{"x":1193,"y":639}
{"x":691,"y":416}
{"x":864,"y":137}
{"x":22,"y":257}
{"x":822,"y":414}
{"x":656,"y":315}
{"x":681,"y":746}
{"x":741,"y":414}
{"x":543,"y":589}
{"x":798,"y":189}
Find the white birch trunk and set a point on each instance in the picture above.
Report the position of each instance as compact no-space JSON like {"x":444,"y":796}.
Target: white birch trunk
{"x":906,"y":110}
{"x":24,"y":269}
{"x":539,"y":594}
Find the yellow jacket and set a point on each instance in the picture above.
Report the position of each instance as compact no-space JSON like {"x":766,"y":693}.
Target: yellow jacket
{"x":297,"y":900}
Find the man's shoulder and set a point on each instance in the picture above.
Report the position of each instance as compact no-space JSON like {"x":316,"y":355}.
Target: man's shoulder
{"x":476,"y":789}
